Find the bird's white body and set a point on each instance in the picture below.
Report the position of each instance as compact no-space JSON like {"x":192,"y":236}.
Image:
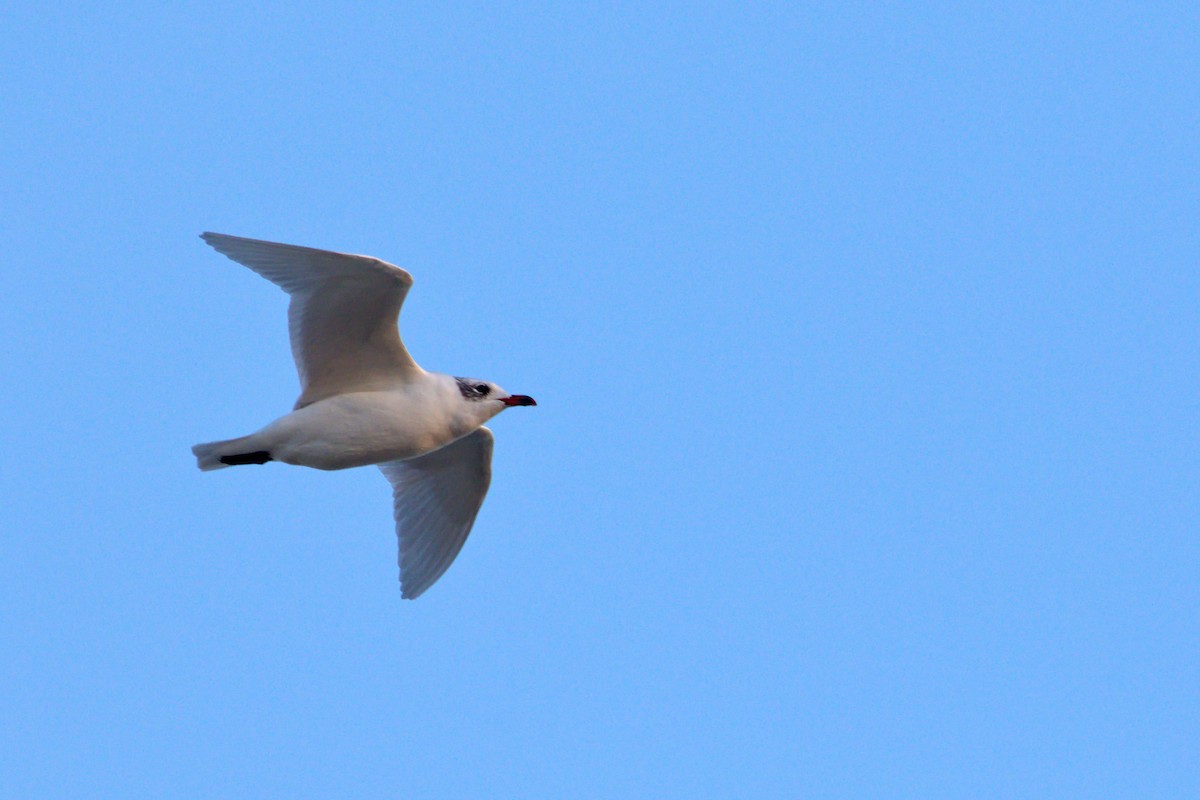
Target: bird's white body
{"x":362,"y":428}
{"x":365,"y":401}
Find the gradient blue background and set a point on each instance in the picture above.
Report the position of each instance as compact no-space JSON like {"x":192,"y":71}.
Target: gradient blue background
{"x":865,"y":342}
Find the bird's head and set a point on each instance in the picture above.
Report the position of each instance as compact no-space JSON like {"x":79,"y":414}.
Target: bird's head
{"x":488,"y":398}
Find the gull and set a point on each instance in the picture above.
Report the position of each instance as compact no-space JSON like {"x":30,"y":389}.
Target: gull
{"x":363,"y":400}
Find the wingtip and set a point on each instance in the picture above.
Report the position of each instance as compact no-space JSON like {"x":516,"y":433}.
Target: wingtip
{"x":410,"y":590}
{"x":222,"y":242}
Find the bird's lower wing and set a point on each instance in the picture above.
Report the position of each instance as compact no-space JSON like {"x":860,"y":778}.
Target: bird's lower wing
{"x":436,"y":498}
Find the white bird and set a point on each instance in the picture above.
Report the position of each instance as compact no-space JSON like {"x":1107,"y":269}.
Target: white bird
{"x":364,"y":400}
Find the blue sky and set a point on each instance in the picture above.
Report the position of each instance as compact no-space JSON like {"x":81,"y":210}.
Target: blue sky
{"x":864,"y":340}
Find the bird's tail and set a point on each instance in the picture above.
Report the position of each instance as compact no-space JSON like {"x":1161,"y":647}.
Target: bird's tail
{"x":228,"y":453}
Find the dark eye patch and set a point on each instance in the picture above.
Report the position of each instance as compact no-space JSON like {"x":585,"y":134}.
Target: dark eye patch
{"x":472,"y":390}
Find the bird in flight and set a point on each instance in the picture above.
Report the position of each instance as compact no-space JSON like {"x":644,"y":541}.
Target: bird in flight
{"x":363,"y":400}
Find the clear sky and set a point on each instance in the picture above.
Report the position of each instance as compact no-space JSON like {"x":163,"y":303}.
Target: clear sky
{"x":864,"y":338}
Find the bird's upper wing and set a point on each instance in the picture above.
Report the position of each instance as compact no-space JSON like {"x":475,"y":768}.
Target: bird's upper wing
{"x":342,"y":318}
{"x":436,"y":498}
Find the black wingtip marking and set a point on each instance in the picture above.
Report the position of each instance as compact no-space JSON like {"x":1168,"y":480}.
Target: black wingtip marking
{"x":237,"y":459}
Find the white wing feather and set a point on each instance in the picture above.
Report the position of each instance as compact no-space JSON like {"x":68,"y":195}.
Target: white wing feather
{"x":343,"y":316}
{"x":436,"y":498}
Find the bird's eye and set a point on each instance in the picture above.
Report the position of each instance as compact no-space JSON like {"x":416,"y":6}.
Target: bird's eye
{"x":482,"y":388}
